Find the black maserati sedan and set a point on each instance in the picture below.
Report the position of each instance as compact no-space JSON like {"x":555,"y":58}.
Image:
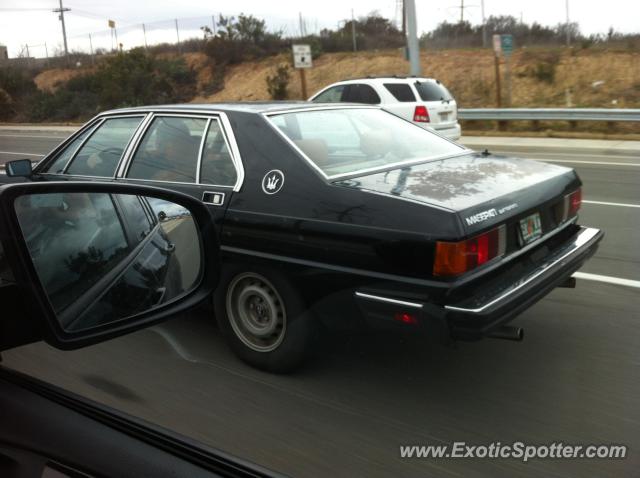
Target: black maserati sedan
{"x":344,"y":215}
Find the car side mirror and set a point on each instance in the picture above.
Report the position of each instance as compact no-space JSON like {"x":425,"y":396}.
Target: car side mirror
{"x":18,"y":167}
{"x":92,"y":261}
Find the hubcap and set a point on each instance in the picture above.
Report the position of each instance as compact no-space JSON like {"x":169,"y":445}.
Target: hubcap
{"x":256,"y":312}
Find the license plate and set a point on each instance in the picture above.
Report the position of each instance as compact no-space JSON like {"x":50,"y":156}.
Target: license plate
{"x":530,"y":228}
{"x":444,"y":116}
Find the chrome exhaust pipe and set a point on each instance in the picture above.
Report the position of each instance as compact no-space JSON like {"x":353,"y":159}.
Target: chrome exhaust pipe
{"x":508,"y":332}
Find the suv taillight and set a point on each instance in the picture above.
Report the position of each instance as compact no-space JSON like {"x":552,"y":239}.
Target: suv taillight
{"x":421,"y":115}
{"x":455,"y":258}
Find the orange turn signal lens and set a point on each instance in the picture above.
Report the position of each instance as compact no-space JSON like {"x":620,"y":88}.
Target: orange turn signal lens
{"x":456,"y":258}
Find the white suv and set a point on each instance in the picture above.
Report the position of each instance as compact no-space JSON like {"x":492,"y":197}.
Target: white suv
{"x":424,"y":101}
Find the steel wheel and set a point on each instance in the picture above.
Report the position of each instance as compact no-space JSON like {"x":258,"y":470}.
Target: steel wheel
{"x":256,"y":312}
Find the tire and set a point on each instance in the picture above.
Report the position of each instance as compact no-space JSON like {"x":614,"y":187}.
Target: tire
{"x":263,"y":318}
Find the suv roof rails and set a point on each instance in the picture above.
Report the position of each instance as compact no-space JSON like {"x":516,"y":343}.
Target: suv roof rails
{"x":379,"y":77}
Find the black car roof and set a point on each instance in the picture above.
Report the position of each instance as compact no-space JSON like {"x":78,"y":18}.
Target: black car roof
{"x":241,"y":106}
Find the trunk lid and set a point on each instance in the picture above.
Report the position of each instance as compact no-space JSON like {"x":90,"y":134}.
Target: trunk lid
{"x":484,"y":191}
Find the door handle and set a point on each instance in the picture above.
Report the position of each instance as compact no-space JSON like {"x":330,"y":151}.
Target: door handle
{"x":213,"y":197}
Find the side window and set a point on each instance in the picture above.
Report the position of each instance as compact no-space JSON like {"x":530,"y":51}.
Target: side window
{"x":332,"y":95}
{"x":58,"y":164}
{"x":400,"y":91}
{"x":100,"y":155}
{"x":169,"y":150}
{"x":361,"y":93}
{"x":135,"y":217}
{"x":217,"y":167}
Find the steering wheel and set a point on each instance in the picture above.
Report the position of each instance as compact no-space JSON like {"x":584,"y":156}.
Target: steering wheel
{"x":109,"y":151}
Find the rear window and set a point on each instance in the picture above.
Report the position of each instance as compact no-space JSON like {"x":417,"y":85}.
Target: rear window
{"x":400,"y":91}
{"x":346,"y":141}
{"x":432,"y":91}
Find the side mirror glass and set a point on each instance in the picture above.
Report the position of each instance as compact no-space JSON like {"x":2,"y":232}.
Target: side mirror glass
{"x":109,"y":258}
{"x":19,"y":167}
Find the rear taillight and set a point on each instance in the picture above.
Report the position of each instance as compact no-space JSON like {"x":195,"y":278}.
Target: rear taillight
{"x":421,"y":115}
{"x":455,"y":258}
{"x":575,"y":201}
{"x":570,"y":206}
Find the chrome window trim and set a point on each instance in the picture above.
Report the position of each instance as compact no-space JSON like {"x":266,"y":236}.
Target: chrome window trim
{"x":98,"y":126}
{"x":134,"y":140}
{"x":232,"y":144}
{"x":227,"y":132}
{"x":585,"y":236}
{"x":464,"y":150}
{"x":201,"y":149}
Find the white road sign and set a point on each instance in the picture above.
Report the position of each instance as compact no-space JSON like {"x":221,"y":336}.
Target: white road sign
{"x":302,"y":56}
{"x":497,"y":44}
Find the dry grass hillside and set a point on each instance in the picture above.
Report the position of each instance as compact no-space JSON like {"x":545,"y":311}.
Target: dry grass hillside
{"x":539,"y":77}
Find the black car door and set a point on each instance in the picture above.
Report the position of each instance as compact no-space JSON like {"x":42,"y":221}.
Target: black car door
{"x":188,"y":153}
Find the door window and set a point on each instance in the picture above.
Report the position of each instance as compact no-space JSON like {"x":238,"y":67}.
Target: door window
{"x":100,"y":155}
{"x":57,"y":165}
{"x":332,"y":95}
{"x":169,"y":150}
{"x":217,"y":166}
{"x":361,"y":93}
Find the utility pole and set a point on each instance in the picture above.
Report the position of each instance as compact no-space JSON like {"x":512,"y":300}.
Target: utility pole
{"x":144,"y":34}
{"x":566,"y":3}
{"x":412,"y":37}
{"x":91,"y":48}
{"x":61,"y":11}
{"x":484,"y":26}
{"x":461,"y":11}
{"x":177,"y":34}
{"x":353,"y":31}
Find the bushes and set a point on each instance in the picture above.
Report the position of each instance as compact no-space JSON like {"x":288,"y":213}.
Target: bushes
{"x":278,"y":83}
{"x":125,"y":79}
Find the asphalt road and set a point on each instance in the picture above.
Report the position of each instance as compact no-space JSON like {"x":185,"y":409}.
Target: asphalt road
{"x":574,"y":379}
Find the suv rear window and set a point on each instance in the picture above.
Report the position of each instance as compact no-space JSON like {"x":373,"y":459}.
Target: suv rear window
{"x":432,"y":91}
{"x":400,"y":91}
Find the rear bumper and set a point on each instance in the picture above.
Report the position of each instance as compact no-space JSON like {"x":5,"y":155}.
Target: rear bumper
{"x":452,"y":132}
{"x":500,"y":301}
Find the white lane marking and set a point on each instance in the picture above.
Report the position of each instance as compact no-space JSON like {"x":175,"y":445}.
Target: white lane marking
{"x":31,"y":136}
{"x":607,"y":279}
{"x":603,"y":203}
{"x":574,"y":154}
{"x":599,"y":163}
{"x":21,"y":154}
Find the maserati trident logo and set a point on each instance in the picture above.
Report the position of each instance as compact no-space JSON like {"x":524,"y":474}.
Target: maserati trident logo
{"x":273,"y":181}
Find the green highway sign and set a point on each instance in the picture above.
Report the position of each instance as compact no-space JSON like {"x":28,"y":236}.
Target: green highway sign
{"x":506,"y":44}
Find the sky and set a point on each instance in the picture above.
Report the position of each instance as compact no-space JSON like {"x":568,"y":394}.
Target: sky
{"x":31,"y":22}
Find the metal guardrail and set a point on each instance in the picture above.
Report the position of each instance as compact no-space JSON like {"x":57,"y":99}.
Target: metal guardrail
{"x":550,"y":114}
